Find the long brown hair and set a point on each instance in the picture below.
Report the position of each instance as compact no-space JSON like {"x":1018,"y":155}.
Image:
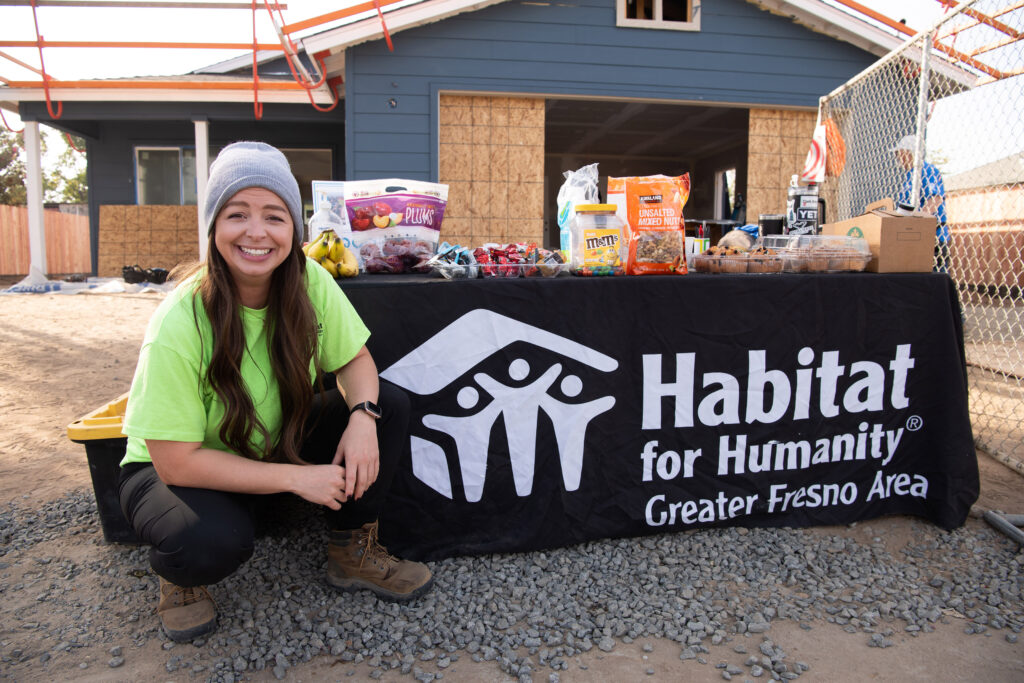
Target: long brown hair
{"x":292,"y":331}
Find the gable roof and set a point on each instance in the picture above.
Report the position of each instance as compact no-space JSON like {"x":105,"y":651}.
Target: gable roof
{"x":813,"y":14}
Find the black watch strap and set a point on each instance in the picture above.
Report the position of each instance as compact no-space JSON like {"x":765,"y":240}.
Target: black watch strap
{"x":368,"y":407}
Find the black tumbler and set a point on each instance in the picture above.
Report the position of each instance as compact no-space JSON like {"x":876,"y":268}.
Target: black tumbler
{"x":771,"y":223}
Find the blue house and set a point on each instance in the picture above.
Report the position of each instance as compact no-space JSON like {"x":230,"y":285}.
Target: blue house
{"x":496,"y":98}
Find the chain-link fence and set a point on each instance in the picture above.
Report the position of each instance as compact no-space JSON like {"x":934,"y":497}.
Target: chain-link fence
{"x":942,"y":130}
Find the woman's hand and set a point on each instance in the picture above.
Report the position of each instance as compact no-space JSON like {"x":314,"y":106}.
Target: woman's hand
{"x":321,"y":484}
{"x":358,"y":449}
{"x":358,"y":452}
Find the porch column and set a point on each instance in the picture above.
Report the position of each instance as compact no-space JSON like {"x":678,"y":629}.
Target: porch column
{"x":34,"y":195}
{"x":202,"y":175}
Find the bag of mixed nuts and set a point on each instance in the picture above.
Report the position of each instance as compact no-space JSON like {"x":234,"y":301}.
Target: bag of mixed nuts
{"x":654,"y":218}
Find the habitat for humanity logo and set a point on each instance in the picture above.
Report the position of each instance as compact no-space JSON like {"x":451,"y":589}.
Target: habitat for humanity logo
{"x":441,"y":362}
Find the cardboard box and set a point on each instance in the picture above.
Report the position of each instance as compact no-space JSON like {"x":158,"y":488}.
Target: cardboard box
{"x":899,"y":243}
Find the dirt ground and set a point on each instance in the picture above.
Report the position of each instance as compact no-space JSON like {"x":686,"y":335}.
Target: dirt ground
{"x":61,"y":356}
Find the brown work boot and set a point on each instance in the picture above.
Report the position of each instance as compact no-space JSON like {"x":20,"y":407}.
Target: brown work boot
{"x":185,"y":613}
{"x":356,"y":560}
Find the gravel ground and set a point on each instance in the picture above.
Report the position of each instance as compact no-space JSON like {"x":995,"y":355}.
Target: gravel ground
{"x":531,"y":614}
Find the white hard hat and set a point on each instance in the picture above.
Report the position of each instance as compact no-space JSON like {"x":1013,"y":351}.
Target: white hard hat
{"x":907,"y":142}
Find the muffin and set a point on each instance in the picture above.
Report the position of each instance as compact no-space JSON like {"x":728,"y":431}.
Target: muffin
{"x":847,"y":259}
{"x":763,"y":260}
{"x":702,"y":263}
{"x":733,"y":263}
{"x":818,"y":259}
{"x":721,"y":259}
{"x":795,"y":260}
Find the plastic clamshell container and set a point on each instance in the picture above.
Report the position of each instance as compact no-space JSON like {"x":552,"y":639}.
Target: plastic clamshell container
{"x":105,"y":444}
{"x":765,"y":263}
{"x":454,"y":271}
{"x":718,"y":263}
{"x":512,"y":270}
{"x":739,"y":263}
{"x":819,"y":253}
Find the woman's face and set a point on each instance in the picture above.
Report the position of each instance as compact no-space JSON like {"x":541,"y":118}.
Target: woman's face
{"x":254,"y":233}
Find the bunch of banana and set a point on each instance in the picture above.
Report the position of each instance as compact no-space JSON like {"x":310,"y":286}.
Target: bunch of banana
{"x":330,"y":252}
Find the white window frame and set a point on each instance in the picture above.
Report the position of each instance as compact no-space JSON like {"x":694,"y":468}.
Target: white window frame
{"x":181,"y":170}
{"x":657,"y":22}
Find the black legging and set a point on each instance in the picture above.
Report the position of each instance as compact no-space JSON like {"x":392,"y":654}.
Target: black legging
{"x":200,"y":536}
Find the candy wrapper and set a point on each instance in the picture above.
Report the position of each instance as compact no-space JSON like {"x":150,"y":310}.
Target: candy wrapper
{"x":453,"y":261}
{"x":518,"y":260}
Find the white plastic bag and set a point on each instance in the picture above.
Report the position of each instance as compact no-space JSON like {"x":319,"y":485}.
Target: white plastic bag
{"x":580,"y":187}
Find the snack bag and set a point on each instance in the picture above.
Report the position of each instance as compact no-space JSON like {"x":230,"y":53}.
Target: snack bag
{"x":395,"y":224}
{"x":453,"y":261}
{"x":616,"y":192}
{"x":654,"y":216}
{"x":580,"y":187}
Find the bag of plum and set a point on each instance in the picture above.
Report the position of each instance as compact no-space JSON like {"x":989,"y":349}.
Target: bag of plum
{"x":395,"y":224}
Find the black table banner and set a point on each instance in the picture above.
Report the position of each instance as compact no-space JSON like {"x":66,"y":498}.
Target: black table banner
{"x":546,"y":412}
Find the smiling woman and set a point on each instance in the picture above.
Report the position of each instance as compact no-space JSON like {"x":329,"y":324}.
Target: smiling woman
{"x":254,"y":235}
{"x":222,"y":407}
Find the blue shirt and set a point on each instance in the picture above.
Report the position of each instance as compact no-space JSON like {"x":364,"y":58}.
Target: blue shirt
{"x":931,"y":186}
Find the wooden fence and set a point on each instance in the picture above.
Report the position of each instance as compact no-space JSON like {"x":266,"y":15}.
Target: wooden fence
{"x":987,"y":235}
{"x":67,"y":242}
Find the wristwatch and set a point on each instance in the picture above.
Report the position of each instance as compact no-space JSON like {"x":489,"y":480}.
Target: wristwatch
{"x":369,"y":407}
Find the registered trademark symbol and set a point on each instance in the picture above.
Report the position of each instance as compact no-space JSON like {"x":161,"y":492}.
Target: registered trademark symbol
{"x":914,"y":422}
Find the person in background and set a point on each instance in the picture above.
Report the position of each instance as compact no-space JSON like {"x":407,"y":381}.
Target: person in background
{"x":932,"y":199}
{"x":222,"y":407}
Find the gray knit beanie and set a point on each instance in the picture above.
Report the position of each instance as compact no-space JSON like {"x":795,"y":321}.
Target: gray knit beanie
{"x":241,"y":165}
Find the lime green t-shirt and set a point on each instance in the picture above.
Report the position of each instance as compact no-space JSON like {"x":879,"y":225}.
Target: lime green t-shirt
{"x":170,"y":398}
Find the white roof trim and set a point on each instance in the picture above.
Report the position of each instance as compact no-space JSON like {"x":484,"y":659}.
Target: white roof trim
{"x":410,"y":16}
{"x":169,"y":94}
{"x":834,"y":22}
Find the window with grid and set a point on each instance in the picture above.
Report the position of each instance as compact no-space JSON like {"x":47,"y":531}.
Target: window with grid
{"x":672,"y":15}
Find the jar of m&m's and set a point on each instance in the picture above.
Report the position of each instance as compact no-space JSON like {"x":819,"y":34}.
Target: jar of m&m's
{"x":597,"y":241}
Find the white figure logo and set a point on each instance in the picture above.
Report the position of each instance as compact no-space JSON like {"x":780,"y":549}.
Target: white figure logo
{"x":460,"y":346}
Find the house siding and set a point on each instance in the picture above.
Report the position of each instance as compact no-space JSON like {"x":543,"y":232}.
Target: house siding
{"x":742,"y":55}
